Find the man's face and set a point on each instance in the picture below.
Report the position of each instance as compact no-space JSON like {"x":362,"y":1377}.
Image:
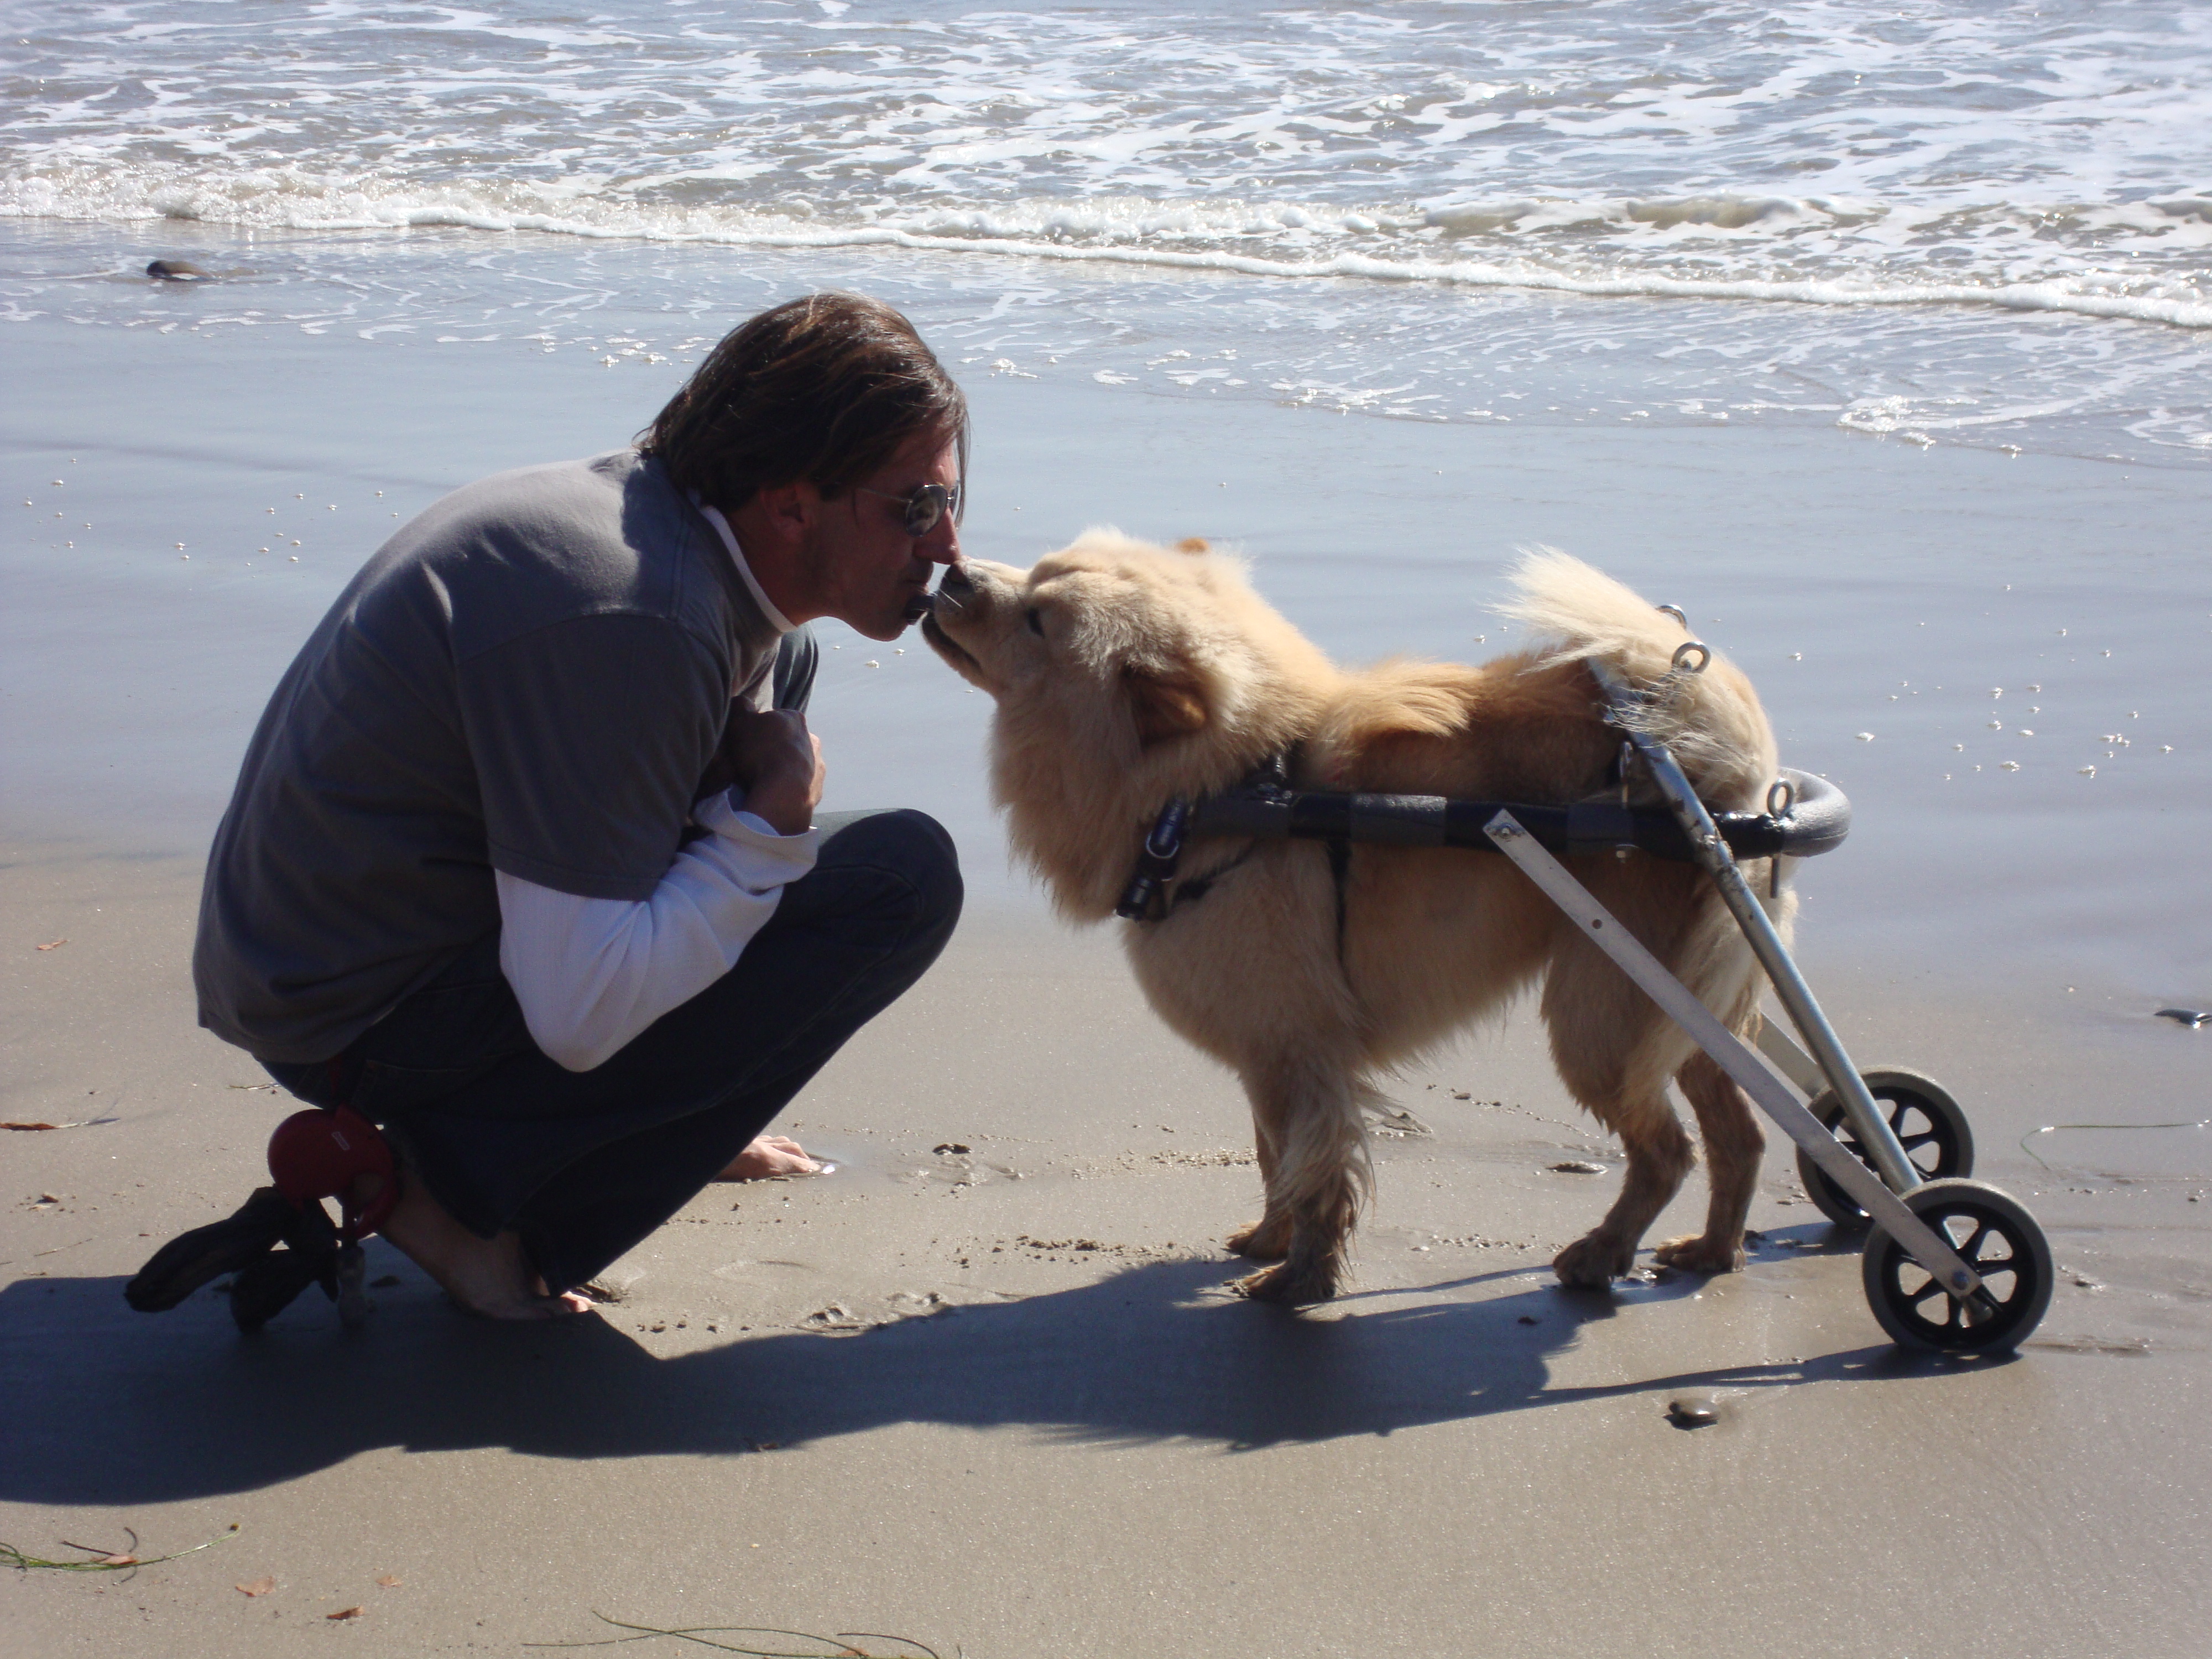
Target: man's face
{"x":868,"y":573}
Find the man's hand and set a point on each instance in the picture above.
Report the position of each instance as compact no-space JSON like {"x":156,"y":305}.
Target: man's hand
{"x":778,"y":763}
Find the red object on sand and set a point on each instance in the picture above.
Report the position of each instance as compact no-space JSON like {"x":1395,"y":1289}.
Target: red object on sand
{"x":317,"y":1154}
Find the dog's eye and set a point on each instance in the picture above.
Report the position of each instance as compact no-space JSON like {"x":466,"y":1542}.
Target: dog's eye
{"x":1035,"y":617}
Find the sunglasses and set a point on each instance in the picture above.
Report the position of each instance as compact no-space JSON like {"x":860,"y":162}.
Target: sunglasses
{"x":925,"y":508}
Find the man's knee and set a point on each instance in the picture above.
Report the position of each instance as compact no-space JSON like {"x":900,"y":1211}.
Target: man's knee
{"x":928,"y":859}
{"x":910,"y":846}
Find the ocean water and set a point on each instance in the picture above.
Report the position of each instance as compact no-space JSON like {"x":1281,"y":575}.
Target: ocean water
{"x":1928,"y":222}
{"x":1877,"y":339}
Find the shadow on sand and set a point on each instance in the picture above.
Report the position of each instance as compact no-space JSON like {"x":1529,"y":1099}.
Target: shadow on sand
{"x":111,"y":1407}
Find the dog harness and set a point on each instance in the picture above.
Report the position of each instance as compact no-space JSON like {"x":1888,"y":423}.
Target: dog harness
{"x":1156,"y":886}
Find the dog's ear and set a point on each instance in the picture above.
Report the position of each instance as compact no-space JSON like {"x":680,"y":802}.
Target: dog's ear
{"x":1194,"y":544}
{"x":1166,"y":704}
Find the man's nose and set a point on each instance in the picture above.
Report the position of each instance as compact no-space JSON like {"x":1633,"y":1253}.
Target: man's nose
{"x":942,"y":544}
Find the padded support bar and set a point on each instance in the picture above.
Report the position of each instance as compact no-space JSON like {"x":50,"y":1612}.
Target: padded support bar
{"x":1818,"y":818}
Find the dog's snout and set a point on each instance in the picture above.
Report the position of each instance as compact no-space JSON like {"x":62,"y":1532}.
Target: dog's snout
{"x":956,"y":582}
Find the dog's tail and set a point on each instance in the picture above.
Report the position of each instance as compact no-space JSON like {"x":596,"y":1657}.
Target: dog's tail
{"x":1711,"y":720}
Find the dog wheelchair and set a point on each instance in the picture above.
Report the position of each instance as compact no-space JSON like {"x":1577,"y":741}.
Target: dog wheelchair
{"x":1950,"y":1264}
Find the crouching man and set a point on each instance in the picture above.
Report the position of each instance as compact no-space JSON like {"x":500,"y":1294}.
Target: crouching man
{"x":524,"y":865}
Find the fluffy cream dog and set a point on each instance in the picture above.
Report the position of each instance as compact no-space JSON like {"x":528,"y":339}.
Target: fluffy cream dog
{"x":1127,"y":674}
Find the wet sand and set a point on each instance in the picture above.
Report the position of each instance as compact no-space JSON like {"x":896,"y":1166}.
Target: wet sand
{"x":998,"y":1399}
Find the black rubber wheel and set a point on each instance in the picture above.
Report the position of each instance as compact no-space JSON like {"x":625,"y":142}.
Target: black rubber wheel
{"x":1998,"y":1239}
{"x":1922,"y":1115}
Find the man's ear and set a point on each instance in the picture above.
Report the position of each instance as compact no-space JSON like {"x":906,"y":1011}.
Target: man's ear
{"x":787,"y":510}
{"x":1165,"y":703}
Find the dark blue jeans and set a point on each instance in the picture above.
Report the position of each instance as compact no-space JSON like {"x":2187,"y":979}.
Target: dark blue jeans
{"x":584,"y":1165}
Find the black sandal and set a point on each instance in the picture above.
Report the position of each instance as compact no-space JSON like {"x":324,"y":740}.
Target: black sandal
{"x":189,"y":1261}
{"x":313,"y":1155}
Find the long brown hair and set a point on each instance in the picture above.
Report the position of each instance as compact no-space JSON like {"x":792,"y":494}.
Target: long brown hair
{"x":824,"y":389}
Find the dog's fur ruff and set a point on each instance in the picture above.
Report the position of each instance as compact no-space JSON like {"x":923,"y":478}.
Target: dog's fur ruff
{"x":1127,"y":674}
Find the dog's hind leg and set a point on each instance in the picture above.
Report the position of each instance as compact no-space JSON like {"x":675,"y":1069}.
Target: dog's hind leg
{"x":1307,"y":1109}
{"x":1719,"y":968}
{"x":1659,"y":1156}
{"x":1734,"y":1142}
{"x":1614,"y":1051}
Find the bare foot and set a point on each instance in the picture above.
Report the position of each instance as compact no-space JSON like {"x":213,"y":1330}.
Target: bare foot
{"x":768,"y":1156}
{"x":490,"y":1278}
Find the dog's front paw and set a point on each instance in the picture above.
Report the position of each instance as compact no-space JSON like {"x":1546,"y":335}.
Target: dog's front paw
{"x":1594,"y":1262}
{"x":1693,"y":1253}
{"x":1264,"y":1239}
{"x":1290,"y":1285}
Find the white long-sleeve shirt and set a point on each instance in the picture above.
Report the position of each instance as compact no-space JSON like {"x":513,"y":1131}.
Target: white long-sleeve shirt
{"x":591,"y":974}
